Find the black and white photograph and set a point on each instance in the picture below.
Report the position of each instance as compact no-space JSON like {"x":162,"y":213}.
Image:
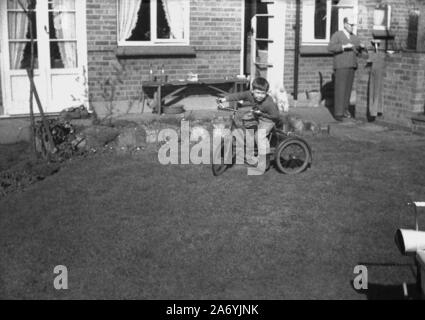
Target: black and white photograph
{"x":212,"y":154}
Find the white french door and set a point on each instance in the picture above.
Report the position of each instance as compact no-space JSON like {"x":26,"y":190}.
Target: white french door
{"x":60,"y":54}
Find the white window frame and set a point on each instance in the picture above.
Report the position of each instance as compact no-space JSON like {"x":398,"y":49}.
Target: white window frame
{"x":153,"y":19}
{"x":308,"y":11}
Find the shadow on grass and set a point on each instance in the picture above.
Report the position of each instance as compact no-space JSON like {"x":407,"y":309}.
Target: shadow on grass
{"x":377,"y":291}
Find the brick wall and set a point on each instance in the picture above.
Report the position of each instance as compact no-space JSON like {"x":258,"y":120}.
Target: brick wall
{"x":214,"y":33}
{"x":309,"y":66}
{"x":403,"y":89}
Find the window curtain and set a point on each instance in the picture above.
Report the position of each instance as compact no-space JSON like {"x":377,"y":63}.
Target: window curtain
{"x":127,"y":13}
{"x":175,"y":15}
{"x":64,"y":24}
{"x":18,"y":27}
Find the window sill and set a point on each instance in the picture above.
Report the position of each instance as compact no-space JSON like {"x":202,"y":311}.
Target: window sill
{"x":315,"y":50}
{"x":154,"y":51}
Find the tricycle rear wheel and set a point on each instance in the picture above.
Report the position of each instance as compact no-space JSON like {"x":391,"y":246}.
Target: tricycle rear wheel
{"x":292,"y":156}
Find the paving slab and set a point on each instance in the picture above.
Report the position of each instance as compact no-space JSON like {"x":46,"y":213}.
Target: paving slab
{"x":361,"y":131}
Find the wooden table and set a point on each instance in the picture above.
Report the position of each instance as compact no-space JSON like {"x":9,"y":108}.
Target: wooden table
{"x":237,"y":85}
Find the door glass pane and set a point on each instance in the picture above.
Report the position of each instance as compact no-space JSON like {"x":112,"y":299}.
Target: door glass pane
{"x":62,"y":5}
{"x":19,"y":32}
{"x":19,"y":27}
{"x":14,"y":4}
{"x":63,"y":54}
{"x":62,"y":26}
{"x":20,"y":55}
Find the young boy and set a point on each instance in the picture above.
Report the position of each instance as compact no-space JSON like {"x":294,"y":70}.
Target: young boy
{"x":264,"y":108}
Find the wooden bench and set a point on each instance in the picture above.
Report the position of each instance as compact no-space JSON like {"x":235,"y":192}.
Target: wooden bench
{"x":236,"y":85}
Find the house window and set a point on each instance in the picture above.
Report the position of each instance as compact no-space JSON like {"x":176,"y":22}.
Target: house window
{"x":322,"y":18}
{"x":153,"y":22}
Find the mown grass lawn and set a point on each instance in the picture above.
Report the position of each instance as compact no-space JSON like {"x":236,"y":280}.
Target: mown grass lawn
{"x":128,"y":227}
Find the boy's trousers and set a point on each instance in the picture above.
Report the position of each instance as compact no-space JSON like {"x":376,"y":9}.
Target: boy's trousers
{"x":263,"y":146}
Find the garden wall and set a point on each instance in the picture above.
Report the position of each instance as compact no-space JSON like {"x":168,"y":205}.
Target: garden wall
{"x":403,"y":91}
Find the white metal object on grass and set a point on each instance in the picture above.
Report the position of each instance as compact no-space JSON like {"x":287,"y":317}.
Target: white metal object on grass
{"x":419,"y":204}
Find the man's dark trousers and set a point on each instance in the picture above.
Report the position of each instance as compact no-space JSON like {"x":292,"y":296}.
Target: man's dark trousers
{"x":344,"y":78}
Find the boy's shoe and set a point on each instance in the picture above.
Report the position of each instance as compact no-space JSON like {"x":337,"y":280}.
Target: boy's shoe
{"x":255,"y":162}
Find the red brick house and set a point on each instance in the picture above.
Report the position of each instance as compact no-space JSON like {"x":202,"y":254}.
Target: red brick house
{"x":82,"y":45}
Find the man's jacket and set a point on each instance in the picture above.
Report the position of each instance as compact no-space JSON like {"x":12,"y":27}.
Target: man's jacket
{"x":347,"y":58}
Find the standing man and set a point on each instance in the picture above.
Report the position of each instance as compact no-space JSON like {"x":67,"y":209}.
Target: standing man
{"x":345,"y":46}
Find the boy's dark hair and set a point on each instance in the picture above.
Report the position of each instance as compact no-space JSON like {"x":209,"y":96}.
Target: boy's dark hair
{"x":260,"y":84}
